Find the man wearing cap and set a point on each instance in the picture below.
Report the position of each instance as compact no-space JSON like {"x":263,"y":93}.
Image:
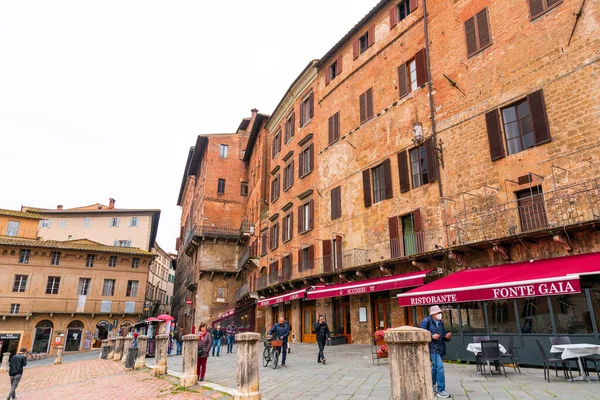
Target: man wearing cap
{"x":437,"y":349}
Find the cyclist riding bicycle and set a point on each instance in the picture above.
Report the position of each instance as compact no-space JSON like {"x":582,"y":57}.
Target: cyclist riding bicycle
{"x":281,"y":331}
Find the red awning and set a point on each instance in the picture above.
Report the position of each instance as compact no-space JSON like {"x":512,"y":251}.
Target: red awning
{"x":371,"y":285}
{"x":547,"y":277}
{"x":298,"y":294}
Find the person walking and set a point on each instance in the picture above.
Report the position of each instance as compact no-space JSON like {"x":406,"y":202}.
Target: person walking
{"x":437,"y":349}
{"x":204,"y":345}
{"x":323,"y":335}
{"x":179,"y":340}
{"x":15,"y":372}
{"x":231,"y":330}
{"x":217,"y":335}
{"x":171,"y":340}
{"x":281,"y":332}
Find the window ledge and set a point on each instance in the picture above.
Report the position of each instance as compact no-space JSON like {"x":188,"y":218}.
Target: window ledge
{"x":306,"y":174}
{"x":479,"y":51}
{"x":309,"y":230}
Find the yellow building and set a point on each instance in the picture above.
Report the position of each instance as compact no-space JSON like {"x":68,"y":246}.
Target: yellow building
{"x":19,"y":224}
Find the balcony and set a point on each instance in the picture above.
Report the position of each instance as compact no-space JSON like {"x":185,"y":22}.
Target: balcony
{"x":18,"y":232}
{"x":241,"y":291}
{"x":218,"y":232}
{"x":250,"y":253}
{"x":261,"y":282}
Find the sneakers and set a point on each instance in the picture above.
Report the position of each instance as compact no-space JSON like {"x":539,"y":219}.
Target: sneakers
{"x":443,"y":394}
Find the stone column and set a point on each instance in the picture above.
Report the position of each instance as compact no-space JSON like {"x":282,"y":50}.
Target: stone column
{"x":247,"y":366}
{"x":140,"y":360}
{"x":410,"y":364}
{"x":190,"y":361}
{"x":127,"y":342}
{"x":104,"y":343}
{"x":118,"y":349}
{"x":5,"y":358}
{"x":161,"y":346}
{"x":111,"y":353}
{"x":58,"y":359}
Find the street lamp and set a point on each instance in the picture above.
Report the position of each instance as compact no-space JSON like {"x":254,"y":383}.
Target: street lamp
{"x":419,"y":140}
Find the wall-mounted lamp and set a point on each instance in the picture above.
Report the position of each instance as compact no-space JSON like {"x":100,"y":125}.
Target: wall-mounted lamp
{"x":419,"y":140}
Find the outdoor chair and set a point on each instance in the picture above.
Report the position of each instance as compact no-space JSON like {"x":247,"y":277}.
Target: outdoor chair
{"x":479,"y":339}
{"x":595,"y":359}
{"x":512,"y":354}
{"x":490,"y":351}
{"x":548,"y":362}
{"x":557,"y":341}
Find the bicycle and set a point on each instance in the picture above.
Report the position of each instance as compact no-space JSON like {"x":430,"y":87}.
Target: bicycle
{"x":272,"y":352}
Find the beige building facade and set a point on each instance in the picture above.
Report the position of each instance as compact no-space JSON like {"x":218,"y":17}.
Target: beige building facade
{"x":161,"y":278}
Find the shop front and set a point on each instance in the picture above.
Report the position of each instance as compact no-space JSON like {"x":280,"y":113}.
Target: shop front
{"x":9,"y":343}
{"x":307,"y":311}
{"x":530,"y":301}
{"x":243,"y":317}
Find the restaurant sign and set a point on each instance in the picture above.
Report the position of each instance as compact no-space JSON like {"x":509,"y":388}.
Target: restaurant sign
{"x":473,"y":293}
{"x":299,"y":294}
{"x":10,"y":336}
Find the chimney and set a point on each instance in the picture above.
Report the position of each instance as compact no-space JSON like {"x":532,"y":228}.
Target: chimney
{"x":111,"y":203}
{"x":254,"y":112}
{"x":59,"y":207}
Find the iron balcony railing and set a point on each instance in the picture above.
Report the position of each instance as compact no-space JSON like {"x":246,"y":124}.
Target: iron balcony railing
{"x":243,"y":290}
{"x":251,"y":252}
{"x":261,"y":282}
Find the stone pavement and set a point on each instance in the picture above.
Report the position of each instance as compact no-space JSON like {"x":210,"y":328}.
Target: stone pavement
{"x":350,"y":374}
{"x":98,"y":379}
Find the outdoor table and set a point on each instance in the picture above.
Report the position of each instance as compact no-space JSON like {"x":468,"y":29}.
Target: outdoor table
{"x":578,"y":350}
{"x":475,"y":348}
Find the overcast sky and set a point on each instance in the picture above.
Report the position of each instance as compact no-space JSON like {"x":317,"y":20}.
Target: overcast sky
{"x":103,"y":99}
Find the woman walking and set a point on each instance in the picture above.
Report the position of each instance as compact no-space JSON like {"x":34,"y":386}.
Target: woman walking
{"x":204,"y":345}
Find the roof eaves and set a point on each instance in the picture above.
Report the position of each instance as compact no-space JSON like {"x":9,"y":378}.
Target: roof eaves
{"x":256,"y":127}
{"x":185,"y":174}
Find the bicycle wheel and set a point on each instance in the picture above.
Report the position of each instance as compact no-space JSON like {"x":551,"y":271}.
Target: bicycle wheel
{"x":276,"y":353}
{"x":266,"y":357}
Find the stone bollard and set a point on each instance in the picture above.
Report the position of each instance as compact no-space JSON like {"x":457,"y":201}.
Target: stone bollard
{"x":140,"y":360}
{"x":111,"y":352}
{"x":190,"y":361}
{"x":161,"y":346}
{"x":247,"y":366}
{"x":58,"y":359}
{"x":410,"y":363}
{"x":104,"y":344}
{"x":118,"y":349}
{"x":5,"y":358}
{"x":127,"y":342}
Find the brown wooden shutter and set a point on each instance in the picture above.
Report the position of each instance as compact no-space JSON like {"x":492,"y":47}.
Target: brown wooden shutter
{"x":537,"y":108}
{"x":331,"y":129}
{"x":272,"y":190}
{"x":311,"y":256}
{"x":300,"y":165}
{"x":311,"y":208}
{"x":338,"y":69}
{"x":273,"y":148}
{"x":279,"y":144}
{"x":421,"y":63}
{"x":413,"y":5}
{"x":403,"y":81}
{"x":536,"y":7}
{"x":431,"y":161}
{"x":328,"y":75}
{"x":283,"y":229}
{"x":311,"y":104}
{"x":326,"y":255}
{"x":492,"y":122}
{"x":371,"y":38}
{"x":367,"y":187}
{"x":336,"y":126}
{"x":301,"y":119}
{"x":311,"y":152}
{"x":291,"y":225}
{"x":387,"y":179}
{"x":393,"y":16}
{"x":403,"y":172}
{"x":355,"y":49}
{"x":471,"y":36}
{"x":483,"y":28}
{"x":293,"y":124}
{"x":338,"y":252}
{"x":394,"y":237}
{"x":300,"y":260}
{"x":300,"y":219}
{"x":363,"y":107}
{"x":369,"y":103}
{"x":418,"y":229}
{"x":291,"y":174}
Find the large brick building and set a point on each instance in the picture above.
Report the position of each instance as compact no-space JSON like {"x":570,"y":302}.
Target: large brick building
{"x":416,"y":148}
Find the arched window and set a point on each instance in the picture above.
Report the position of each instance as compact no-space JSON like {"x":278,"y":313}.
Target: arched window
{"x":75,"y":324}
{"x":45,"y":324}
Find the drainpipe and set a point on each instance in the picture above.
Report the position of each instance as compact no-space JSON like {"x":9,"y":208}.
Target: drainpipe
{"x":430,"y":88}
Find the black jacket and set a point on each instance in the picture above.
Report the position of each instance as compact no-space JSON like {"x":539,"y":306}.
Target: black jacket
{"x":322,"y":331}
{"x":16,"y":365}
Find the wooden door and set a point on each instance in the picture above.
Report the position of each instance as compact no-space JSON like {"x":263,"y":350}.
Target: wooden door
{"x":341,"y":325}
{"x":275,"y":316}
{"x":532,"y":212}
{"x":309,"y":318}
{"x":382,"y":314}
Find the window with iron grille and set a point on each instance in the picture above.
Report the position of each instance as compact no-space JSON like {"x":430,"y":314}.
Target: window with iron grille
{"x":135,"y":262}
{"x":132,"y":288}
{"x":24,"y":256}
{"x":109,"y":287}
{"x":20,"y":283}
{"x":112,"y":261}
{"x":89,"y":261}
{"x":15,"y":308}
{"x":84,"y":286}
{"x":53,"y":285}
{"x":55,"y":258}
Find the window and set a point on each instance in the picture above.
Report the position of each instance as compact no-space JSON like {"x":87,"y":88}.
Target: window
{"x":305,"y":217}
{"x":63,"y":223}
{"x":122,"y":243}
{"x":525,"y":125}
{"x":15,"y":308}
{"x":105,"y":306}
{"x":223,"y":151}
{"x":263,"y":242}
{"x":366,"y":106}
{"x":84,"y":286}
{"x":132,"y":288}
{"x":418,"y":167}
{"x":114,"y":222}
{"x":477,"y":30}
{"x":55,"y":258}
{"x":20,"y":283}
{"x":86,"y":222}
{"x":290,"y":126}
{"x":287,"y":224}
{"x":274,"y":236}
{"x":381,"y":176}
{"x":109,"y":287}
{"x":89,"y":262}
{"x":244,"y":189}
{"x":221,"y":294}
{"x":221,"y":186}
{"x":13,"y":228}
{"x":306,"y":161}
{"x":412,"y":74}
{"x":501,"y":316}
{"x":336,"y":203}
{"x":306,"y":258}
{"x":133,"y":221}
{"x":334,"y":128}
{"x":288,"y":175}
{"x":422,"y":166}
{"x":335,"y":68}
{"x":307,"y":109}
{"x":403,"y":10}
{"x":53,"y":284}
{"x":45,"y":223}
{"x":276,"y":144}
{"x":473,"y":319}
{"x":361,"y":44}
{"x":24,"y":256}
{"x":540,"y":7}
{"x":532,"y":211}
{"x":274,"y":188}
{"x":135,"y":262}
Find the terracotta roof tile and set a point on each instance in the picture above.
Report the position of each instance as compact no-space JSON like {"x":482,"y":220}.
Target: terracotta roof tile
{"x":21,"y":214}
{"x":79,"y":244}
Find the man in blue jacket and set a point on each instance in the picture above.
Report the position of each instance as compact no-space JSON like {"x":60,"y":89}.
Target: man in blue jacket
{"x":281,"y":331}
{"x":437,"y":349}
